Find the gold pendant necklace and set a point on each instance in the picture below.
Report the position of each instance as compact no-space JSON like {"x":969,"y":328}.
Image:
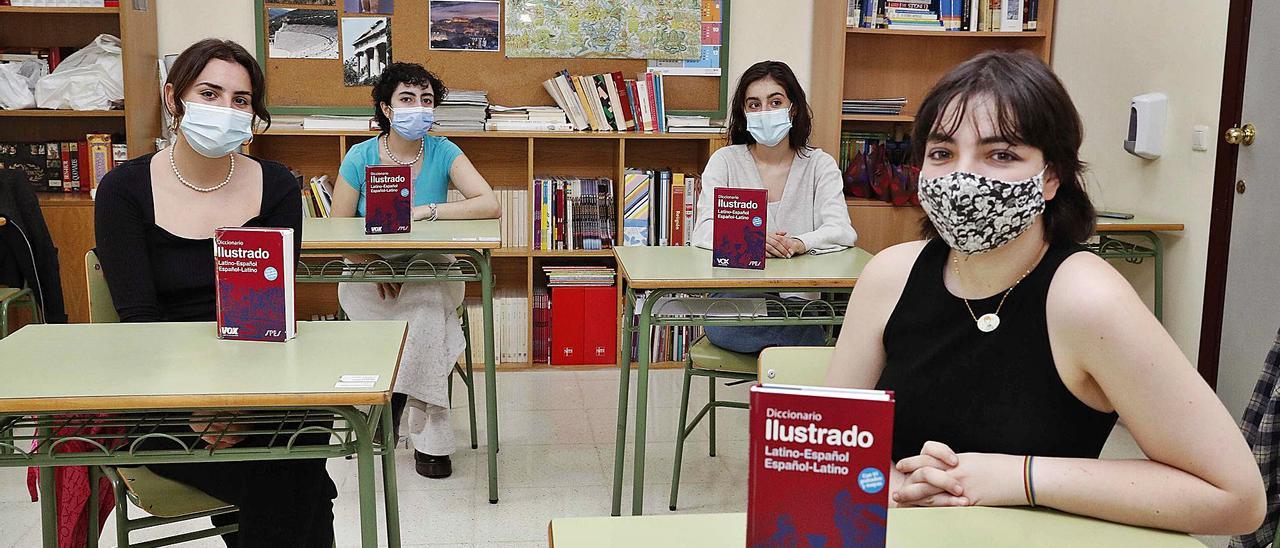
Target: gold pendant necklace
{"x":990,"y":321}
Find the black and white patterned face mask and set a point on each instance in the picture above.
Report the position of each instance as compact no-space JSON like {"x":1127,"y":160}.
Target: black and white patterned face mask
{"x":975,"y":214}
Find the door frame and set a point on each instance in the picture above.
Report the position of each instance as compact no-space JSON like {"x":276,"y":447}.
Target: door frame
{"x":1224,"y":189}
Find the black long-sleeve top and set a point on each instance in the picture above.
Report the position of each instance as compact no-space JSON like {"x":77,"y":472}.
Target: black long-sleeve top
{"x":156,"y":276}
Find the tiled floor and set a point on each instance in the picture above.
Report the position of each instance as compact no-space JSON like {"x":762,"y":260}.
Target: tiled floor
{"x":556,"y":460}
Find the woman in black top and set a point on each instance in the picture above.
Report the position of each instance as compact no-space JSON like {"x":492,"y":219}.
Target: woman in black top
{"x":1012,"y":350}
{"x":155,"y":220}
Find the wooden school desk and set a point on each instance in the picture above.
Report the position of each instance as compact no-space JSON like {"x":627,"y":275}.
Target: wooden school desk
{"x":908,"y":528}
{"x":660,"y":271}
{"x":143,"y":377}
{"x":471,"y":242}
{"x":1109,"y":247}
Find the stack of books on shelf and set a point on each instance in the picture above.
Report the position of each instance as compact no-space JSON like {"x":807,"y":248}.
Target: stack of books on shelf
{"x":573,"y":213}
{"x":317,"y":195}
{"x":538,"y":118}
{"x":510,"y":338}
{"x":515,"y":214}
{"x":462,"y":110}
{"x":331,"y":122}
{"x":609,"y":102}
{"x":70,"y":166}
{"x":660,"y":207}
{"x":693,"y":124}
{"x":945,"y":15}
{"x":888,"y":106}
{"x":583,"y":322}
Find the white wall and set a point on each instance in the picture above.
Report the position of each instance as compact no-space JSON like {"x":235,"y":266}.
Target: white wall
{"x":1106,"y":52}
{"x":181,"y":23}
{"x":759,"y":30}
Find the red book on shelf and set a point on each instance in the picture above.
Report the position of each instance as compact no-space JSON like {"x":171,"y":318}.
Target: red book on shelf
{"x":677,"y":209}
{"x":819,"y":466}
{"x":600,"y":320}
{"x":388,"y":204}
{"x":656,"y":121}
{"x":254,"y":272}
{"x":624,"y":106}
{"x":567,"y":329}
{"x":65,"y":150}
{"x":739,"y":223}
{"x":78,"y":156}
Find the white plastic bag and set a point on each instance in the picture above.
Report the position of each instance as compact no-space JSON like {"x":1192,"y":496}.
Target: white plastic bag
{"x":89,"y":79}
{"x":14,"y":93}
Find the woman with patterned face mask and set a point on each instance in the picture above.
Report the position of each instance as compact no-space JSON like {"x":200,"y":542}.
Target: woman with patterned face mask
{"x":155,"y":216}
{"x":769,"y":124}
{"x":1012,"y":350}
{"x":404,"y":101}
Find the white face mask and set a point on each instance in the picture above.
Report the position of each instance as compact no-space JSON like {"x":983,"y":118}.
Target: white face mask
{"x":215,"y":132}
{"x":412,"y":123}
{"x":768,"y":127}
{"x":975,"y":214}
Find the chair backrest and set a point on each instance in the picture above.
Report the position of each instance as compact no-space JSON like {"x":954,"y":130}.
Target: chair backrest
{"x":800,"y":365}
{"x":101,"y":309}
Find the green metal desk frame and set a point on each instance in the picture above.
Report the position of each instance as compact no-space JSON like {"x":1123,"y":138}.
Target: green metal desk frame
{"x":346,"y":236}
{"x":353,"y":429}
{"x":687,"y":272}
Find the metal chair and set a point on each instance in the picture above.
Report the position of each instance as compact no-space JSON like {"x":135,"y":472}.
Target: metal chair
{"x":803,"y":365}
{"x":13,"y":297}
{"x":166,"y":501}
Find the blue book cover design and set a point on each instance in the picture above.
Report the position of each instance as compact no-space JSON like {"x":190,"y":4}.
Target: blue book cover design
{"x":388,"y":202}
{"x":253,"y":270}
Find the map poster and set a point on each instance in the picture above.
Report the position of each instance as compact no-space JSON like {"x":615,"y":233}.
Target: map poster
{"x":615,"y":29}
{"x":708,"y":62}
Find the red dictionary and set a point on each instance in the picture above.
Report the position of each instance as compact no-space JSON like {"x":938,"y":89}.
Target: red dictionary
{"x":738,"y":230}
{"x":567,"y":329}
{"x":388,"y":202}
{"x":254,"y":271}
{"x":600,"y":325}
{"x":820,"y":461}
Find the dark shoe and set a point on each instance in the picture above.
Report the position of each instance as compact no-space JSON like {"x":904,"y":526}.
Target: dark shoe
{"x":431,"y":466}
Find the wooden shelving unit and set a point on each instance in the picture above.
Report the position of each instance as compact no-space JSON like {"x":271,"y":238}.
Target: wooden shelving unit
{"x":858,"y":63}
{"x":70,"y":216}
{"x":508,"y":160}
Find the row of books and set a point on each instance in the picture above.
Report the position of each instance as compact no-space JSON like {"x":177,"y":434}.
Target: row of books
{"x":462,"y":110}
{"x":515,"y":214}
{"x":535,"y":118}
{"x":945,"y":15}
{"x":580,"y":315}
{"x":853,"y":143}
{"x":659,"y":207}
{"x":608,"y":102}
{"x":573,"y":213}
{"x":667,"y":343}
{"x":317,"y":195}
{"x":510,"y":338}
{"x":62,"y":3}
{"x":887,"y":106}
{"x":71,"y":166}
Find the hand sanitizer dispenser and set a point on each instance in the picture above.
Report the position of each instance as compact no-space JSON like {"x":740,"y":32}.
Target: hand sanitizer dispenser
{"x":1147,"y":115}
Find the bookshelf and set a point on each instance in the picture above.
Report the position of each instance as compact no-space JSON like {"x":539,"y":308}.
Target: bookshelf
{"x":858,"y":63}
{"x":70,"y":216}
{"x":508,"y":160}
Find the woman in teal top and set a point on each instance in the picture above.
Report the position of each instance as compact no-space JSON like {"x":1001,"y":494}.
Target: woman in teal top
{"x":404,"y":101}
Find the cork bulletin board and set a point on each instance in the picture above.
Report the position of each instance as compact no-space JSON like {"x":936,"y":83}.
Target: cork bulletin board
{"x":315,"y":86}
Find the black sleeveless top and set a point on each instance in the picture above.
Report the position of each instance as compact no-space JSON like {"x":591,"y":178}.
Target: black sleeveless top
{"x":996,"y":392}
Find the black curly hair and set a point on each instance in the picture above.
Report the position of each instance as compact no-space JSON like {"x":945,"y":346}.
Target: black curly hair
{"x":402,"y":73}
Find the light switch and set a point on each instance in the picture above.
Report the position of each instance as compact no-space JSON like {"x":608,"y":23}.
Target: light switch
{"x":1200,"y":138}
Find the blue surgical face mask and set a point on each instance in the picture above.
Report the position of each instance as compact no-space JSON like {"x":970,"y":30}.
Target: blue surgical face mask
{"x":412,"y":123}
{"x":768,"y":127}
{"x":215,"y":132}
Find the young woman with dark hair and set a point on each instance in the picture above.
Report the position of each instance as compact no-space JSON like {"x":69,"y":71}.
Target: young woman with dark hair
{"x":769,"y":124}
{"x":1012,"y":350}
{"x":155,"y":217}
{"x":404,"y":100}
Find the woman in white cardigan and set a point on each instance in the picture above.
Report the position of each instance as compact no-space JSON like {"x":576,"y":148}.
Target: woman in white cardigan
{"x":769,"y":125}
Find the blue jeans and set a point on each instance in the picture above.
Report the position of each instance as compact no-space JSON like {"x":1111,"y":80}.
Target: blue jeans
{"x":753,"y":339}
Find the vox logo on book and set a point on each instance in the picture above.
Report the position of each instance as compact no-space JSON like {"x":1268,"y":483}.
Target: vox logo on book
{"x":388,"y":202}
{"x":738,"y":229}
{"x":819,"y":473}
{"x":253,"y":268}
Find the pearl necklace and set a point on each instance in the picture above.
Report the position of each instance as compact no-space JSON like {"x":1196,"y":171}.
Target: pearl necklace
{"x":422,"y":147}
{"x":183,"y":180}
{"x":990,"y":321}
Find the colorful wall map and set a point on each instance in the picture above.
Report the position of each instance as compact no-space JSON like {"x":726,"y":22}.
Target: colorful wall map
{"x":629,"y":29}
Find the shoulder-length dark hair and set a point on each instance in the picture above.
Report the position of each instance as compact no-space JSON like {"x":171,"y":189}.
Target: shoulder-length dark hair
{"x":395,"y":74}
{"x":1032,"y":108}
{"x":801,"y":116}
{"x":191,"y":62}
